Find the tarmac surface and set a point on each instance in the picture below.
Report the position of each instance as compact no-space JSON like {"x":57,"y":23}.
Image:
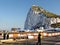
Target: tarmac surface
{"x":45,"y":41}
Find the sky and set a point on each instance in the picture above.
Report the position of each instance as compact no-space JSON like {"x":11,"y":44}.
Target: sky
{"x":13,"y":13}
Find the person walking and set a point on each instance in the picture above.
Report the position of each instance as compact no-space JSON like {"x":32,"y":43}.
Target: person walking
{"x":4,"y":35}
{"x":39,"y":39}
{"x":7,"y":35}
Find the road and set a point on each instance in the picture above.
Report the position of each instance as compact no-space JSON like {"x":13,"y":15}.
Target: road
{"x":45,"y":41}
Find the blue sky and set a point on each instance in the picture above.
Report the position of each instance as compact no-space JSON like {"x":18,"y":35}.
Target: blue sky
{"x":13,"y":12}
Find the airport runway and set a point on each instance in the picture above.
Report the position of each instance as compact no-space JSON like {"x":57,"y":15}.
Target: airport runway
{"x":45,"y":41}
{"x":51,"y":40}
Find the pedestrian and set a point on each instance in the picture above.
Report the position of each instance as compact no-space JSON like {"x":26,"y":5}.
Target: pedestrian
{"x":39,"y":39}
{"x":4,"y":35}
{"x":7,"y":35}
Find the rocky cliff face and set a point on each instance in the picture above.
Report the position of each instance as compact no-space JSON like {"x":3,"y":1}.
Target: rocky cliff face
{"x":36,"y":19}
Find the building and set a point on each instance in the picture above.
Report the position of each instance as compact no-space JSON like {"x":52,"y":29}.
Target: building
{"x":15,"y":29}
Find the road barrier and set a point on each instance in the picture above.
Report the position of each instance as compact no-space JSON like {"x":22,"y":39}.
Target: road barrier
{"x":30,"y":35}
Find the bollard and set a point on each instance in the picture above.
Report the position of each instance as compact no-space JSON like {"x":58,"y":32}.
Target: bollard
{"x":39,"y":39}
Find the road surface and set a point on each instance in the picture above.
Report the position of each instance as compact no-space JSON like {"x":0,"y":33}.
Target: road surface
{"x":45,"y":41}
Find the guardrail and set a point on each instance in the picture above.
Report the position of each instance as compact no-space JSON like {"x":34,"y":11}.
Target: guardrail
{"x":33,"y":35}
{"x":29,"y":35}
